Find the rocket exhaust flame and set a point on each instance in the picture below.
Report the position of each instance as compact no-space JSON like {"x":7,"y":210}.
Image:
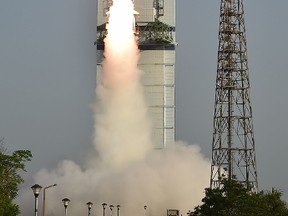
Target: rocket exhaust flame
{"x":121,"y":52}
{"x":126,"y":170}
{"x":122,"y":125}
{"x":120,"y":29}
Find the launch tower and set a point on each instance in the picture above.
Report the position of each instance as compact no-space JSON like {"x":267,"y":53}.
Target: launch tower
{"x":233,"y":146}
{"x":156,"y":42}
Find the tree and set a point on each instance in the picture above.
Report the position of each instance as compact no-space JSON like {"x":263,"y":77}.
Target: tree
{"x":233,"y":199}
{"x":10,"y":165}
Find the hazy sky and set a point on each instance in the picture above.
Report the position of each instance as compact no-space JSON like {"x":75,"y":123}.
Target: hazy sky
{"x":48,"y":64}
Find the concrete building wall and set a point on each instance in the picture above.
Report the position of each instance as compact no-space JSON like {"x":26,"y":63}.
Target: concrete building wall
{"x":159,"y":87}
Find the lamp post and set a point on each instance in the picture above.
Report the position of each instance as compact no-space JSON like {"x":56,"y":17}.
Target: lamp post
{"x":104,"y":207}
{"x":44,"y":198}
{"x":65,"y":203}
{"x":145,"y":207}
{"x":36,"y":190}
{"x":89,"y":204}
{"x":118,"y":210}
{"x":111,"y":208}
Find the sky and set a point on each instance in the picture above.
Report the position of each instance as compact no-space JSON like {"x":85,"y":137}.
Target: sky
{"x":47,"y":84}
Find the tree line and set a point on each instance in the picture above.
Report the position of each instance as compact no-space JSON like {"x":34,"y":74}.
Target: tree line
{"x":10,"y":166}
{"x":234,"y":199}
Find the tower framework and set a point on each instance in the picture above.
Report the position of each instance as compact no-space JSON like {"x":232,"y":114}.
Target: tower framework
{"x":233,"y":145}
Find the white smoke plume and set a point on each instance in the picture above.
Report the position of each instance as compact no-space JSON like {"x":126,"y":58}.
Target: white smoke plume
{"x":122,"y":127}
{"x":126,"y":170}
{"x":173,"y":178}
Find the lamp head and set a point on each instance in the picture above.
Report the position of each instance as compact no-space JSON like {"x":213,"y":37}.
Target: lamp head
{"x":89,"y":204}
{"x":36,"y":189}
{"x":111,"y":207}
{"x":65,"y":202}
{"x":104,"y":205}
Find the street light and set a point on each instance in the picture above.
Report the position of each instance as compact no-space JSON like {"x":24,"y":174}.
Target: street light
{"x":118,"y":210}
{"x":104,"y":207}
{"x":44,"y":198}
{"x":36,"y":190}
{"x":111,"y":208}
{"x":145,"y":207}
{"x":65,"y":203}
{"x":89,"y":204}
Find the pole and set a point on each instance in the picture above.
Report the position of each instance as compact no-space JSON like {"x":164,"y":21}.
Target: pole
{"x":104,"y":207}
{"x":89,"y":205}
{"x":118,"y":210}
{"x":44,"y":198}
{"x":111,"y":208}
{"x":43,"y":205}
{"x":65,"y":203}
{"x":145,"y":207}
{"x":36,"y":190}
{"x":36,"y":204}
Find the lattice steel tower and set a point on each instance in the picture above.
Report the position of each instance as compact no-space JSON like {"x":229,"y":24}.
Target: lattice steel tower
{"x":233,"y":146}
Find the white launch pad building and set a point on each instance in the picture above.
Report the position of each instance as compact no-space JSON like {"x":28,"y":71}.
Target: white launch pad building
{"x":156,"y":26}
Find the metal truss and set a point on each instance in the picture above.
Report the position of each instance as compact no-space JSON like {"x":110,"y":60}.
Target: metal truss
{"x":233,"y":145}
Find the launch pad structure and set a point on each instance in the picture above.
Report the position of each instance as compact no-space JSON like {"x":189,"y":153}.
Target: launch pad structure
{"x":233,"y":145}
{"x":156,"y":41}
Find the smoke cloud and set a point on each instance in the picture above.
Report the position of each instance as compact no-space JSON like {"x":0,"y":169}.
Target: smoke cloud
{"x":173,"y":178}
{"x":126,"y":170}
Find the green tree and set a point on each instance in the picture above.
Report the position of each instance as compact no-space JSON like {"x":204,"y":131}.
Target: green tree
{"x":10,"y":165}
{"x":233,"y":199}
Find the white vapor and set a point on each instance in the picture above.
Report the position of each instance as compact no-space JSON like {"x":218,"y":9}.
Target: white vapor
{"x":126,"y":169}
{"x":170,"y":178}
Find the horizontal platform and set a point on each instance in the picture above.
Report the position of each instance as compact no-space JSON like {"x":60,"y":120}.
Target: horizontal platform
{"x":146,"y":46}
